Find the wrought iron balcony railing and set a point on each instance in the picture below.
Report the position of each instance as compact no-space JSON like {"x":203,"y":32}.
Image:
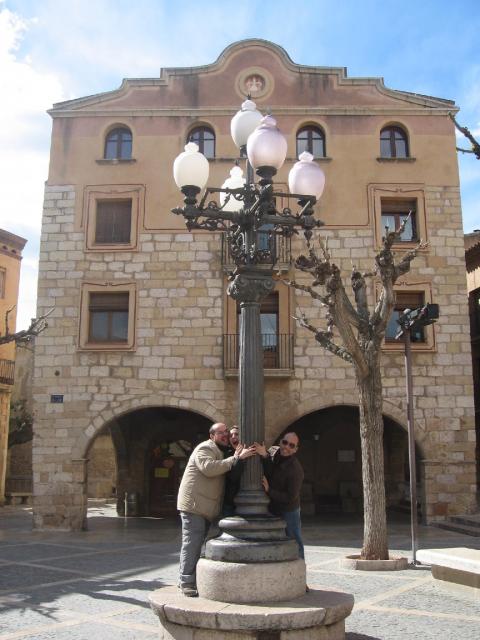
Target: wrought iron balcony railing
{"x":18,"y":484}
{"x":277,"y":350}
{"x":279,"y":246}
{"x":7,"y":371}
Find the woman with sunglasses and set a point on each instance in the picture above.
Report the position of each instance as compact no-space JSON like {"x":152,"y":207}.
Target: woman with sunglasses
{"x":283,"y":483}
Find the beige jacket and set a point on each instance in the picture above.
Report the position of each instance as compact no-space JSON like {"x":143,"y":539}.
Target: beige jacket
{"x":203,"y":483}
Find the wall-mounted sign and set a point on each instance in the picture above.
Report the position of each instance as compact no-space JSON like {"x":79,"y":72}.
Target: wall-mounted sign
{"x":56,"y":399}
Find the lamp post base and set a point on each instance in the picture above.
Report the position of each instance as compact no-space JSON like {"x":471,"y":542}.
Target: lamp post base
{"x":245,"y":583}
{"x":319,"y":614}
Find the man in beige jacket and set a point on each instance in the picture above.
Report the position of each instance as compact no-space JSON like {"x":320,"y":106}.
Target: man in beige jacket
{"x":200,"y":498}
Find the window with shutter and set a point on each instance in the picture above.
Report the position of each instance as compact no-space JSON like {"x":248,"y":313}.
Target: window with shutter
{"x":113,"y":221}
{"x":394,"y":212}
{"x":108,"y":317}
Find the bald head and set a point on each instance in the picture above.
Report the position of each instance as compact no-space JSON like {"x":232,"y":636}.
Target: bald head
{"x":219,"y":434}
{"x":289,"y":444}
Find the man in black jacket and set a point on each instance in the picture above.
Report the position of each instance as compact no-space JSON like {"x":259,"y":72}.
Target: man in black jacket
{"x":232,"y":478}
{"x":283,"y":483}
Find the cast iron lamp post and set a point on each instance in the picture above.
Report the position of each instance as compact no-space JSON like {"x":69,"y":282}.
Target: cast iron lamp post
{"x":244,"y":208}
{"x":409,"y":321}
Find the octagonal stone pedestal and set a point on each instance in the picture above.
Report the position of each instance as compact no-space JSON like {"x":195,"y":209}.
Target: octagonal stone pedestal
{"x":317,"y":615}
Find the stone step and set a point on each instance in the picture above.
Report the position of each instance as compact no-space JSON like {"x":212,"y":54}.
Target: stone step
{"x":472,"y":520}
{"x":459,"y":528}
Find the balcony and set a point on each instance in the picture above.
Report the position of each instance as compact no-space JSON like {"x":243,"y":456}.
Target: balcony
{"x":277,"y":354}
{"x":7,"y":371}
{"x":281,"y":248}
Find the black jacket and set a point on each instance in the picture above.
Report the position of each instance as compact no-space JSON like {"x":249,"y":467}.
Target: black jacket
{"x":285,"y":478}
{"x":232,"y":479}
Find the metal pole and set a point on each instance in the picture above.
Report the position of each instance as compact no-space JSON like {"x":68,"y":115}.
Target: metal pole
{"x":411,"y":443}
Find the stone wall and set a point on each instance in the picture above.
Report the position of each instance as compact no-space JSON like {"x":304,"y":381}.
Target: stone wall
{"x":177,"y":358}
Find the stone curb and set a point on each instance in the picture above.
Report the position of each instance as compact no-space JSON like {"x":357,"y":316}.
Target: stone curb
{"x":392,"y":564}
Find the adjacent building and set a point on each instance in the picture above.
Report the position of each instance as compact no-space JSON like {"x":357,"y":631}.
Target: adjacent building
{"x":141,"y":351}
{"x":472,"y":259}
{"x":11,"y":247}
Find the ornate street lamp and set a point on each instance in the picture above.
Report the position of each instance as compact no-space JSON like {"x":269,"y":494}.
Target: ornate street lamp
{"x":244,"y":208}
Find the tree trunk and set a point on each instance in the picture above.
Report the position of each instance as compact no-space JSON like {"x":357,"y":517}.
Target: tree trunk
{"x":375,"y":543}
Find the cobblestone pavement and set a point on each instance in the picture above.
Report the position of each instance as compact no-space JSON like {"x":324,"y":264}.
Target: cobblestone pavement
{"x":95,"y":584}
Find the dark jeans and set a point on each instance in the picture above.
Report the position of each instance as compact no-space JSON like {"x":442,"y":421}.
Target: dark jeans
{"x":294,"y":528}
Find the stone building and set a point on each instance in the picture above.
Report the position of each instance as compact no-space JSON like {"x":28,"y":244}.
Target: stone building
{"x":142,"y":349}
{"x":11,"y":247}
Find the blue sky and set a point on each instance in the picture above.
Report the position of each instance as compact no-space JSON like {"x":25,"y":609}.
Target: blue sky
{"x":53,"y":50}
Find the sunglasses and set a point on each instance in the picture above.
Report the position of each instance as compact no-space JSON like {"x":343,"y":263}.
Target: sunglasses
{"x":292,"y":445}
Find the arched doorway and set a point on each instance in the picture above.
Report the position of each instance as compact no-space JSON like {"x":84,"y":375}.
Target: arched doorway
{"x":330,"y":454}
{"x":148,"y":450}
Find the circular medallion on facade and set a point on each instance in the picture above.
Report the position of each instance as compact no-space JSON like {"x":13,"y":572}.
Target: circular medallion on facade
{"x":255,"y":82}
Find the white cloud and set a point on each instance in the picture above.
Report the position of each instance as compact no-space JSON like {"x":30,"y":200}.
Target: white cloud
{"x":24,"y":139}
{"x":26,"y":95}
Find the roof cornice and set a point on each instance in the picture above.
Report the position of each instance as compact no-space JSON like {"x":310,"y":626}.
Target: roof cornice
{"x":63,"y":108}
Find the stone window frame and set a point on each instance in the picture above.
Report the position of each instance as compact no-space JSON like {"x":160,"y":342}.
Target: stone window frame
{"x":104,"y":287}
{"x":377,"y":192}
{"x":424,"y":288}
{"x":94,"y":194}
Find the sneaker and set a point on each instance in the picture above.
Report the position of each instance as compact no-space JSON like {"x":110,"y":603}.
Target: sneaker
{"x":189,"y":592}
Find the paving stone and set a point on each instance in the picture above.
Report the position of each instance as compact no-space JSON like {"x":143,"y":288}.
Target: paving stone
{"x":384,"y":625}
{"x":433,"y":598}
{"x":15,"y":576}
{"x":128,"y":562}
{"x":31,"y":552}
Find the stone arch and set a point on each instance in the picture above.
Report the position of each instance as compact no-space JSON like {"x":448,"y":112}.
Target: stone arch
{"x":98,"y":422}
{"x":311,"y":405}
{"x":331,"y":456}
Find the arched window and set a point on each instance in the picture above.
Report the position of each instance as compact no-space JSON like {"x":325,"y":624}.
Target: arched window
{"x":311,"y":139}
{"x":393,"y":143}
{"x":205,"y":138}
{"x":118,"y":144}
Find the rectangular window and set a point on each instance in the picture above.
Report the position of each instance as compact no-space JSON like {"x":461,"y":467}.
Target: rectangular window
{"x":108,"y":317}
{"x":394,"y":212}
{"x":405,"y":300}
{"x":113,"y":221}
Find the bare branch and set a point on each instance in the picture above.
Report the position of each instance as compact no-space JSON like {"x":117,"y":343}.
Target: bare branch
{"x":464,"y":150}
{"x":315,"y":295}
{"x":359,"y":287}
{"x":324,"y":338}
{"x":468,"y":134}
{"x":37,"y":325}
{"x":404,"y":265}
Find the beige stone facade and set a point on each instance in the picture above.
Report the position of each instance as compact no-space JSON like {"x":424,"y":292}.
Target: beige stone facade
{"x":171,"y":373}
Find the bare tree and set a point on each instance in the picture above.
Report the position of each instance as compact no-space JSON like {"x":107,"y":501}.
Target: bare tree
{"x":37,"y":325}
{"x":361,"y":332}
{"x":468,"y":134}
